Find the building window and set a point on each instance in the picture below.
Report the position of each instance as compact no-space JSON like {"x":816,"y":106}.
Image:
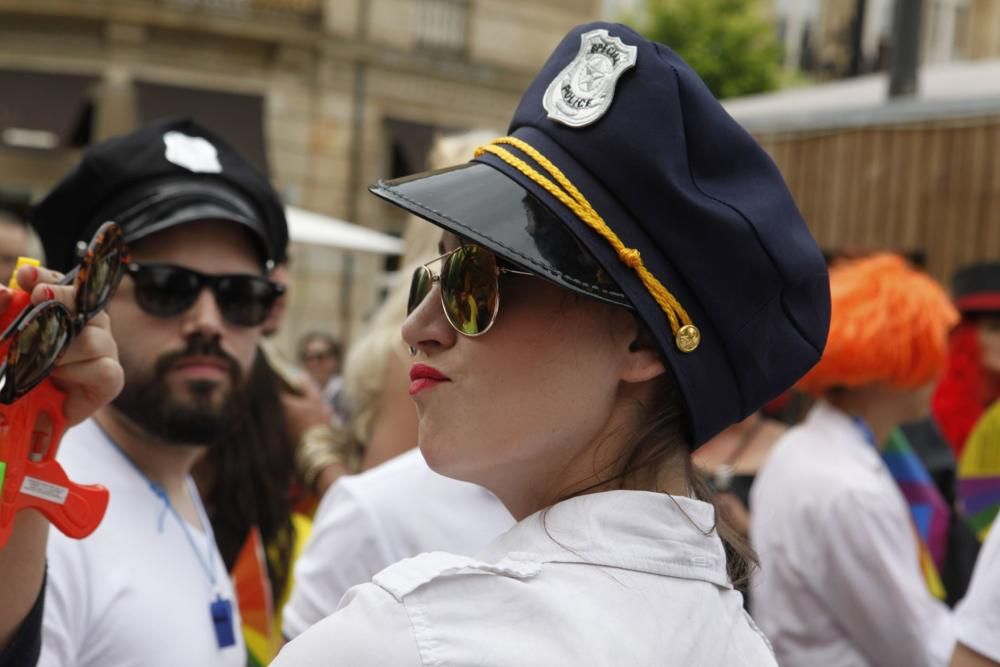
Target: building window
{"x":947,"y":32}
{"x":442,"y":25}
{"x":961,"y":42}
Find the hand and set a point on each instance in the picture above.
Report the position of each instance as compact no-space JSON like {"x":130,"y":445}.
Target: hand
{"x":304,"y":411}
{"x":88,"y":372}
{"x":90,"y":375}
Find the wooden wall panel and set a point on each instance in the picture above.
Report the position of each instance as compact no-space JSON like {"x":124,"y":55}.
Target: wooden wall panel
{"x":930,"y":187}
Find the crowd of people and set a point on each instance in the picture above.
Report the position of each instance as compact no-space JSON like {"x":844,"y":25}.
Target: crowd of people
{"x":619,"y":410}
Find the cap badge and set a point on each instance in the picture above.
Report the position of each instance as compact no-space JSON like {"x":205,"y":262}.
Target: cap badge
{"x":192,"y":153}
{"x":584,"y":89}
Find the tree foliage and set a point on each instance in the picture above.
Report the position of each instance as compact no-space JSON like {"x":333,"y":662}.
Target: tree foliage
{"x":728,"y":42}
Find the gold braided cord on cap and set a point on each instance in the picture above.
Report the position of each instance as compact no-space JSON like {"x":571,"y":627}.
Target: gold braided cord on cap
{"x":686,"y":335}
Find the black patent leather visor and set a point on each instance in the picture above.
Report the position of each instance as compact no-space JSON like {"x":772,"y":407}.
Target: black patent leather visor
{"x":479,"y":203}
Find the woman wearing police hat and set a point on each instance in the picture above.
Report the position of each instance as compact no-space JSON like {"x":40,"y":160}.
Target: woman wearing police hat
{"x":621,"y":277}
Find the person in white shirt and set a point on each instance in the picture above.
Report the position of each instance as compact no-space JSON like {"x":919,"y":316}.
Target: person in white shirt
{"x":90,"y":376}
{"x":570,"y":348}
{"x":203,"y":227}
{"x":977,"y":617}
{"x":842,"y":579}
{"x":369,"y":521}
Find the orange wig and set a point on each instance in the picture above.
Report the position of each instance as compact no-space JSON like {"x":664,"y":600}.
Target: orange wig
{"x":889,"y":324}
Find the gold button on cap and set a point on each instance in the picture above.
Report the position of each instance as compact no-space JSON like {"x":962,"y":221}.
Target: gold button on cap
{"x":688,"y":338}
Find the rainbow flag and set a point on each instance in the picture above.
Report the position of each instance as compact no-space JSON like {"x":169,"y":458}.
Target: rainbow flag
{"x":979,"y":472}
{"x":256,"y":602}
{"x":255,"y":594}
{"x":927,"y":507}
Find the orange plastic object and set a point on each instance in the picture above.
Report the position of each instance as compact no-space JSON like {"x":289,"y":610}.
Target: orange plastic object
{"x":33,"y":479}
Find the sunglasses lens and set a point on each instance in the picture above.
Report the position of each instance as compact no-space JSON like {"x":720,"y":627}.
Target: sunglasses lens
{"x":420,"y":287}
{"x":35,"y":348}
{"x":245,"y":300}
{"x":101,"y":270}
{"x":165,"y":291}
{"x":469,"y":289}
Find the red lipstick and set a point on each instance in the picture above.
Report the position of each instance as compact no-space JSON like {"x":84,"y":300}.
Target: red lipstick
{"x":423,"y":377}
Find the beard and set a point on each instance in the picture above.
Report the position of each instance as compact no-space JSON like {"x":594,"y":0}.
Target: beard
{"x":199,"y":412}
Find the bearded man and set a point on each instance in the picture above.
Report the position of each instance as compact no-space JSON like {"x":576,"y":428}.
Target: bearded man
{"x":204,"y":229}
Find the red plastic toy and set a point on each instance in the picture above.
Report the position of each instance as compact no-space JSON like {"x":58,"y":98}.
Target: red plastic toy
{"x":30,"y":478}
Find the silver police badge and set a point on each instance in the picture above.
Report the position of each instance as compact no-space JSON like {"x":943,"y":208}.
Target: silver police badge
{"x":192,"y":153}
{"x":584,"y":89}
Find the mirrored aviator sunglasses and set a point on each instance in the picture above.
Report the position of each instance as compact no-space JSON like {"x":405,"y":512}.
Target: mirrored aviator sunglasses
{"x":167,"y":290}
{"x":470,"y":291}
{"x":39,"y":336}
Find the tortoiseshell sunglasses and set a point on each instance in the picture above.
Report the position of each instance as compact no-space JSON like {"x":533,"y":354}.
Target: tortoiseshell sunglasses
{"x":39,"y":336}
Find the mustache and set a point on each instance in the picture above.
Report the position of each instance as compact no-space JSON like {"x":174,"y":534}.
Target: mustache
{"x":199,"y":345}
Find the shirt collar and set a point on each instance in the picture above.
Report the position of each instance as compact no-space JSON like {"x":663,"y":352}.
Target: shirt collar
{"x":632,"y":530}
{"x":842,"y":433}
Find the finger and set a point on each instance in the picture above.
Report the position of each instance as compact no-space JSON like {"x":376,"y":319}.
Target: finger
{"x":28,"y":276}
{"x":91,"y":343}
{"x":49,"y":292}
{"x":88,"y":386}
{"x":100,"y":321}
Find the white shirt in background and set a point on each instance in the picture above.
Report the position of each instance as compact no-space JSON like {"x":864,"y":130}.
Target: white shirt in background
{"x":133,"y":593}
{"x":604,"y":580}
{"x":369,"y":521}
{"x":840,"y":582}
{"x":977,"y":617}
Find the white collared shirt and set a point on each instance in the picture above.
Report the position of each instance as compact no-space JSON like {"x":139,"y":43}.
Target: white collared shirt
{"x":367,"y":522}
{"x":615,"y":578}
{"x":840,"y":581}
{"x":977,"y":618}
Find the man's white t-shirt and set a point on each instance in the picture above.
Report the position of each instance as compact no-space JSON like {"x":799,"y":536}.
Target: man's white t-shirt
{"x":135,"y":592}
{"x":369,"y":521}
{"x":977,"y":618}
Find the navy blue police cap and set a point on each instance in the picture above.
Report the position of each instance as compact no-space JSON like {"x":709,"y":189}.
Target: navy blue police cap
{"x":168,"y":173}
{"x":624,"y":179}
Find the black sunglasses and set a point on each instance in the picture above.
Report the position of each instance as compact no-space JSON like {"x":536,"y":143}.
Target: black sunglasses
{"x":470,"y":289}
{"x":40,"y":334}
{"x":167,"y":290}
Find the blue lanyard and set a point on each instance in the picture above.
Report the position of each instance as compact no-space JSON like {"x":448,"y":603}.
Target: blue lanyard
{"x":866,"y":430}
{"x":220,"y":609}
{"x":161,"y":493}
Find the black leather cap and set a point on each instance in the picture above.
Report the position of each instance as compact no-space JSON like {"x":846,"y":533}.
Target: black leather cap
{"x":159,"y":176}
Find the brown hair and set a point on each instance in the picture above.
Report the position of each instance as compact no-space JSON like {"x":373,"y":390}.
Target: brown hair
{"x":662,"y":443}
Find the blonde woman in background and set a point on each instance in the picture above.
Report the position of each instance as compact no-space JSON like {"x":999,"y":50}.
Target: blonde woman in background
{"x":399,"y":507}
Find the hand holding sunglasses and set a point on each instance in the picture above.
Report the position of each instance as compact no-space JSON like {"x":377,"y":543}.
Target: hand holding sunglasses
{"x":33,"y":339}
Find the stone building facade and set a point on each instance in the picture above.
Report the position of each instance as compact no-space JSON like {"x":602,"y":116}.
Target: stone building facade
{"x":952,"y":30}
{"x":328,"y":95}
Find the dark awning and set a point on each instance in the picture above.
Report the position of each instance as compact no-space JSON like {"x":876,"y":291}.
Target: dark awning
{"x":44,"y":111}
{"x":237,"y":117}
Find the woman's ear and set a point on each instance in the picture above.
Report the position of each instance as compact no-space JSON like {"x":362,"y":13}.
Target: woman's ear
{"x":642,"y":359}
{"x":642,"y":363}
